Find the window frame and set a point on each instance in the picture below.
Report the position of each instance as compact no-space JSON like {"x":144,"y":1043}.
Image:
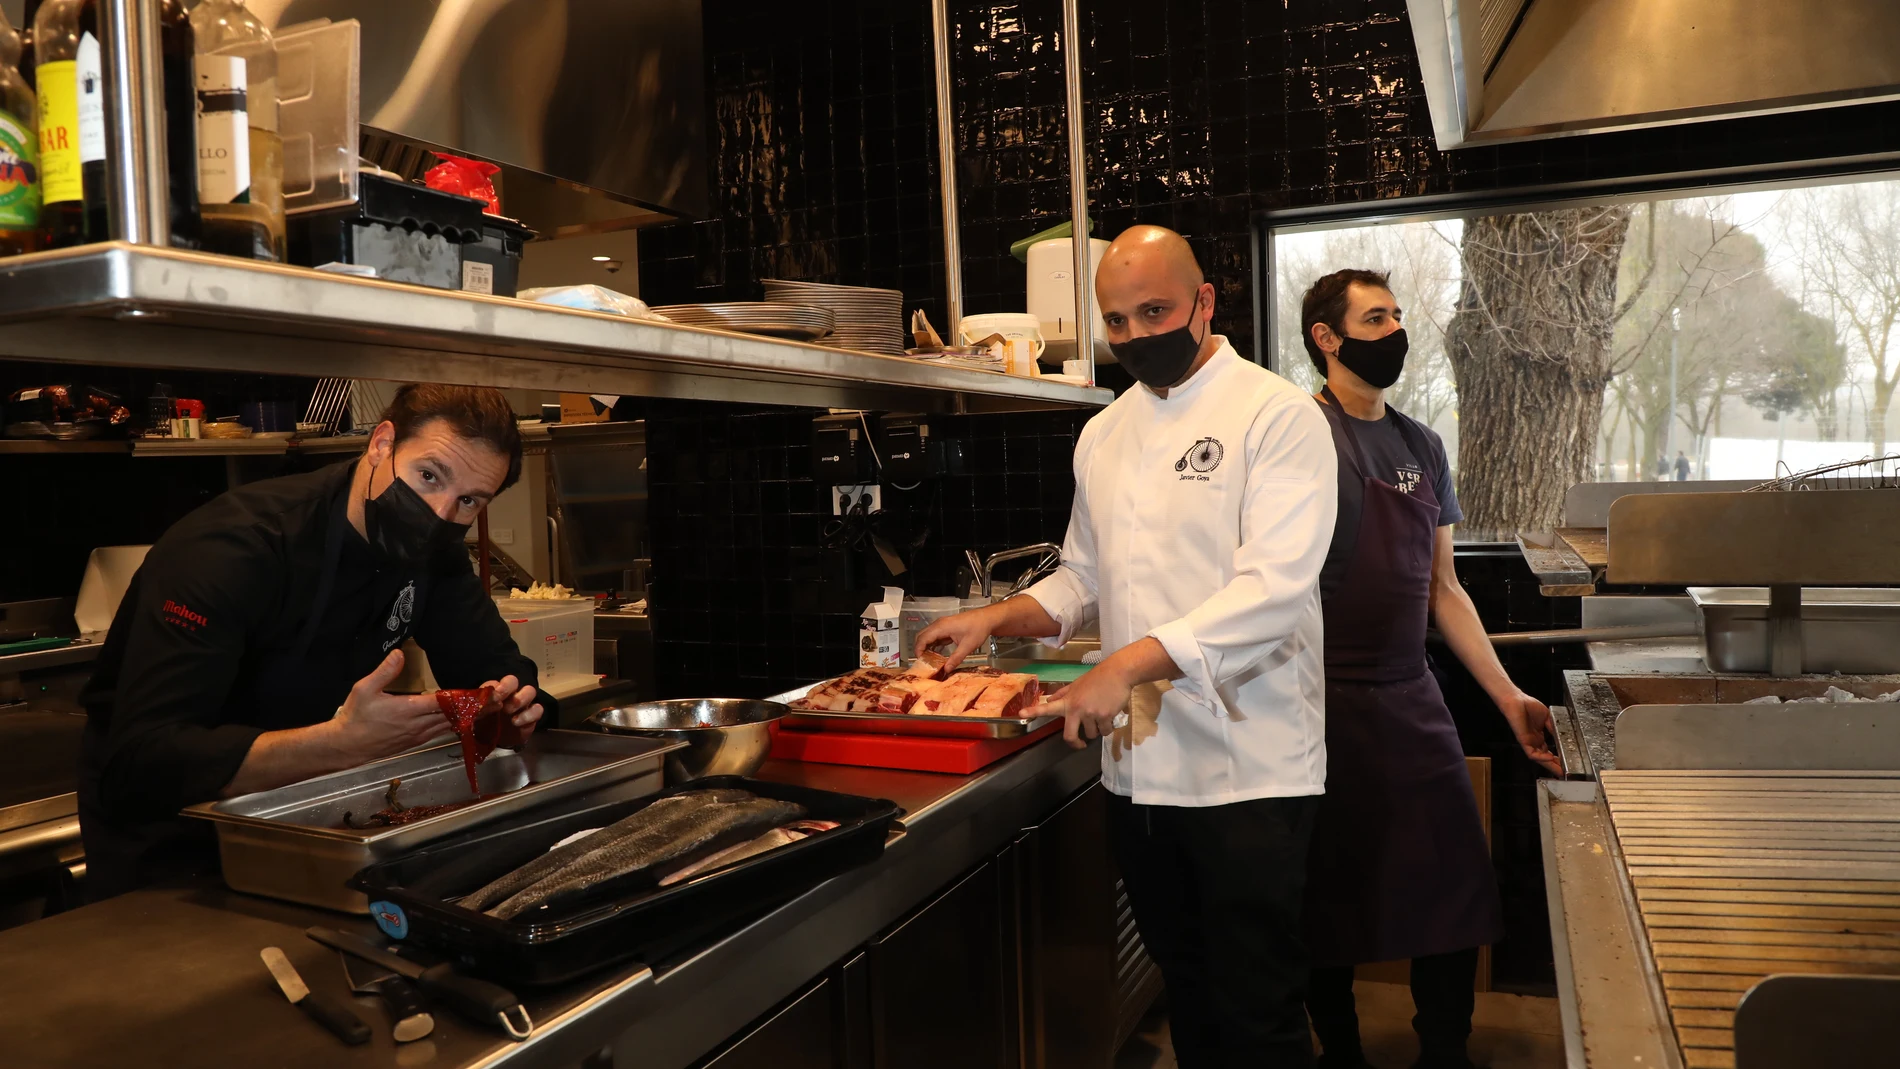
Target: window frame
{"x":1714,"y":181}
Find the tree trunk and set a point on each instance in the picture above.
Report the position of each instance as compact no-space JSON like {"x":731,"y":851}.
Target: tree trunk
{"x":1530,"y":348}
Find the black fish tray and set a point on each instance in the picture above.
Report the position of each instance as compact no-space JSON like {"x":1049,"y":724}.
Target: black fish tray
{"x":412,"y":897}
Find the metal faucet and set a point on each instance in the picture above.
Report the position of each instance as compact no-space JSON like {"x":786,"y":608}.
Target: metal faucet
{"x":985,"y":570}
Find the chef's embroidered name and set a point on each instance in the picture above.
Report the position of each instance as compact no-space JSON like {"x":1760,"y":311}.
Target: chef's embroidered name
{"x":182,"y":616}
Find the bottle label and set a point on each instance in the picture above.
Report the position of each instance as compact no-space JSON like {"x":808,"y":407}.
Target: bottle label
{"x":59,"y":132}
{"x":89,"y":75}
{"x":224,"y":132}
{"x":19,"y":175}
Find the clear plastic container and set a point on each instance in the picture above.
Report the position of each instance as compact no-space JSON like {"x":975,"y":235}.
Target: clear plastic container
{"x":557,"y":635}
{"x":918,"y":614}
{"x":318,"y":104}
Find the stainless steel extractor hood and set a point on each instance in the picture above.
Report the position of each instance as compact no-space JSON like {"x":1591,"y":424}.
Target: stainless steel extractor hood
{"x":1513,"y":70}
{"x":595,"y":109}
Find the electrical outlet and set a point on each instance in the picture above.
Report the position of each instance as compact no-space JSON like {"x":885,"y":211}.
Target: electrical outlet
{"x":844,"y":497}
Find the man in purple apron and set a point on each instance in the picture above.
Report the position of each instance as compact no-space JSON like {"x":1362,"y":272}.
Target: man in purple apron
{"x":1399,"y":867}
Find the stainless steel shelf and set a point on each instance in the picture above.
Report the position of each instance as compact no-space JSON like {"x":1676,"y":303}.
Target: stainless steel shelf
{"x":47,"y":445}
{"x":144,"y":306}
{"x":209,"y":447}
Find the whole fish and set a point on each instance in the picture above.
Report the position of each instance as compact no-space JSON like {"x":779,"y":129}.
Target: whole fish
{"x":771,"y":840}
{"x":707,"y":827}
{"x":654,"y":814}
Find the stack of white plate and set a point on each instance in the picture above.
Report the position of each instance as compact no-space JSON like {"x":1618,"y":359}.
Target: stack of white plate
{"x":803,"y":321}
{"x":867,"y":319}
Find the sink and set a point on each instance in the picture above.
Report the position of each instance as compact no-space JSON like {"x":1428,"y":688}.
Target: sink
{"x":1030,"y":650}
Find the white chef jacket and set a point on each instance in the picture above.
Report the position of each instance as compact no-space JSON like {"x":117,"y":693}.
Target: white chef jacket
{"x":1202,"y":519}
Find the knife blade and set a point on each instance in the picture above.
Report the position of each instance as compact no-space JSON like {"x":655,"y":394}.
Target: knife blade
{"x":411,"y":1019}
{"x":478,"y":1000}
{"x":329,"y":1013}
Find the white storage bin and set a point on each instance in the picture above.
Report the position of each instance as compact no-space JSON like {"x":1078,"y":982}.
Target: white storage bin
{"x":557,"y":635}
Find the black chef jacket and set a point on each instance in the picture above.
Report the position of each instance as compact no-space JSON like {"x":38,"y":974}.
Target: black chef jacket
{"x":255,"y":613}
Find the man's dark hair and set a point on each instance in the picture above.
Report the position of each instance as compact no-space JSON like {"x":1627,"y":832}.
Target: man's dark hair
{"x":1325,"y":303}
{"x":479,"y":413}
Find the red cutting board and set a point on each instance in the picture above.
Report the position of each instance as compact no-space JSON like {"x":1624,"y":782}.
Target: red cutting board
{"x":916,"y":753}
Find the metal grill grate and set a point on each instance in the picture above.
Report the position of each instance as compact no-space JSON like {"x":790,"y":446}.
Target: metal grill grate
{"x":1872,"y":473}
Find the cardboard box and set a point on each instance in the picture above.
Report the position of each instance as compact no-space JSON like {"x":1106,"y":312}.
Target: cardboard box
{"x":583,"y":408}
{"x":880,"y":631}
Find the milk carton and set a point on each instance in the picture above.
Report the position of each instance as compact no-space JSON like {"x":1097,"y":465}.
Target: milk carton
{"x":880,"y":634}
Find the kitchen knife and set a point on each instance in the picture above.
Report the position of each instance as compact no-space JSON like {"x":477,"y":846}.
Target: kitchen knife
{"x":327,"y":1012}
{"x":411,"y":1018}
{"x":478,"y":1000}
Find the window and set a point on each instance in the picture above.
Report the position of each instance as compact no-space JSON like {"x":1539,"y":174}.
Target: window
{"x":1734,"y":335}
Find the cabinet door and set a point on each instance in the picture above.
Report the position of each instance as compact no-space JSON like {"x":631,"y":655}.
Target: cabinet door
{"x":1087,"y":978}
{"x":937,"y":982}
{"x":800,"y":1036}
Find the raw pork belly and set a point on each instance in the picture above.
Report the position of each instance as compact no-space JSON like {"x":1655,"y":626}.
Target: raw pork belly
{"x":924,"y":689}
{"x":853,"y":693}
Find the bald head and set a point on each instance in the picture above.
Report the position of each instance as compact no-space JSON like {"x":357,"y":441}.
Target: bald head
{"x":1150,"y":283}
{"x":1154,"y":254}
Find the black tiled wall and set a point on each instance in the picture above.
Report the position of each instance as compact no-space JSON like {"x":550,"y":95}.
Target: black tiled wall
{"x":755,"y":591}
{"x":1199,"y":113}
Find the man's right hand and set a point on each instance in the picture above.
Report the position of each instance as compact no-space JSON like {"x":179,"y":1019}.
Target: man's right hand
{"x":965,"y":631}
{"x":374,"y":724}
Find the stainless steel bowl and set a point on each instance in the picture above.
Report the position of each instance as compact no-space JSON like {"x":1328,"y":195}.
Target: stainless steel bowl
{"x":723,"y":736}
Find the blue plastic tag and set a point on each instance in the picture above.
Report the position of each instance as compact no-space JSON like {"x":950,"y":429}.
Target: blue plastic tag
{"x":390,"y":918}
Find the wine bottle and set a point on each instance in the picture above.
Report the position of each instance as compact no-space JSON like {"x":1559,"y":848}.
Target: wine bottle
{"x":19,"y":151}
{"x":250,"y":223}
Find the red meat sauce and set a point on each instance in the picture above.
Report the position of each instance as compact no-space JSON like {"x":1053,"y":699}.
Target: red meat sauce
{"x":481,"y":727}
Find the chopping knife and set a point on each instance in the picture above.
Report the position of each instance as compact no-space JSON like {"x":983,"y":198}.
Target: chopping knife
{"x":400,"y":998}
{"x":478,"y":1000}
{"x":322,"y":1009}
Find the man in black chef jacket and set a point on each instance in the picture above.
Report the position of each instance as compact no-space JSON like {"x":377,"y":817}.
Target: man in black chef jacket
{"x":253,"y":646}
{"x":1399,"y":867}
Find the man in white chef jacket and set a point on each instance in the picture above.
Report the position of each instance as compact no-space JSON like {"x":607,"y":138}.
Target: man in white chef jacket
{"x":1204,"y":507}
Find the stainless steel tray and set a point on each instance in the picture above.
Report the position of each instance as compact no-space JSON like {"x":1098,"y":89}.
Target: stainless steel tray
{"x":959,"y":727}
{"x":290,"y":843}
{"x":1852,"y":630}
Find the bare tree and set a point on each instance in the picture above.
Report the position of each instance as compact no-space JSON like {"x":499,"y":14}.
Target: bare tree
{"x":1850,"y":263}
{"x":1530,"y":346}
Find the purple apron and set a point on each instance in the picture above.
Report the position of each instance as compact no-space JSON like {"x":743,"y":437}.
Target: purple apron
{"x":1399,"y":865}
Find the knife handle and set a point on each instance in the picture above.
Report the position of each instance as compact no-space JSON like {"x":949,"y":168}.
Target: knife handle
{"x":333,"y":1016}
{"x":478,"y":1000}
{"x":404,"y":1003}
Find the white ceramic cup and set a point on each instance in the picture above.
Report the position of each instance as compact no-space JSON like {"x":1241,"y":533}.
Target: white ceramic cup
{"x":1021,"y":330}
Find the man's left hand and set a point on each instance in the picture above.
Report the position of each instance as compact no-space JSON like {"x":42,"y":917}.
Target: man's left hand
{"x":516,"y":702}
{"x":1530,"y":722}
{"x":1089,"y":705}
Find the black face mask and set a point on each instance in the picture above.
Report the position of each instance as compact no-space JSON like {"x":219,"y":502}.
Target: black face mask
{"x":402,"y":526}
{"x":1377,"y":362}
{"x":1160,"y":361}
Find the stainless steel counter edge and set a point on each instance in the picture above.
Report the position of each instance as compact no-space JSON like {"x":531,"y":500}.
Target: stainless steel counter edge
{"x":1597,"y":945}
{"x":123,"y":304}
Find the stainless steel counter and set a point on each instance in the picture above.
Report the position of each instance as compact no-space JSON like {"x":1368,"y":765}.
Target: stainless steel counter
{"x":171,"y":976}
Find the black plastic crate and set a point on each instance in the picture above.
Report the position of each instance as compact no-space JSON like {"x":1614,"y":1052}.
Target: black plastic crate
{"x":412,"y":897}
{"x":500,"y":248}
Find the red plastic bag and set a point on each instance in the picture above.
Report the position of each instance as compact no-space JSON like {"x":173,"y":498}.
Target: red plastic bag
{"x":468,"y":177}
